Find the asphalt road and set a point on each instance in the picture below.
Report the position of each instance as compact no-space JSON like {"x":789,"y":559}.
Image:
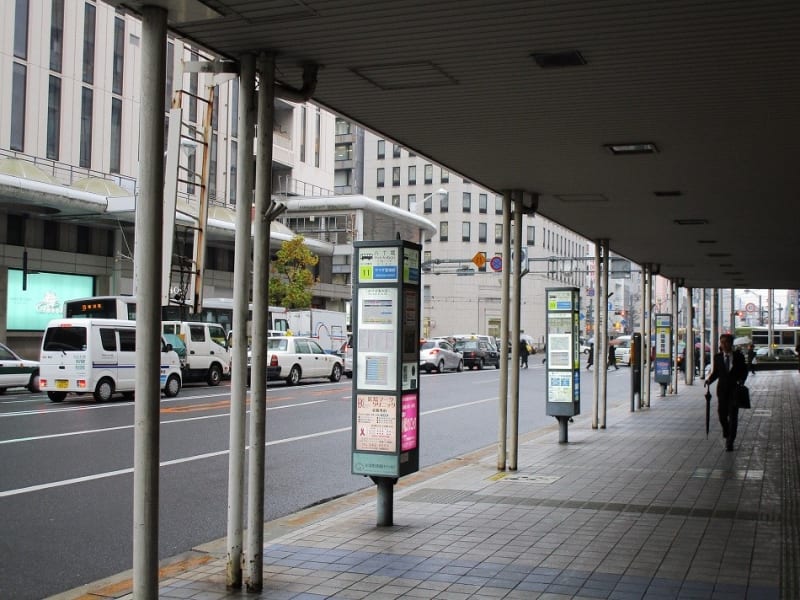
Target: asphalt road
{"x":66,"y":469}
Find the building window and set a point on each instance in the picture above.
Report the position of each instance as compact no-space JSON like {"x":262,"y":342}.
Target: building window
{"x":51,"y":239}
{"x":412,"y":174}
{"x":343,"y":152}
{"x":395,"y":176}
{"x":212,"y":167}
{"x":194,"y":88}
{"x":19,"y":81}
{"x":235,"y":111}
{"x":84,"y":235}
{"x":445,"y":176}
{"x":342,"y":127}
{"x":21,"y":29}
{"x":215,"y":110}
{"x":119,"y":56}
{"x":531,"y":235}
{"x":482,"y":229}
{"x":465,"y":231}
{"x":444,"y":202}
{"x":53,"y":118}
{"x":466,"y":202}
{"x":169,"y":77}
{"x":412,"y":202}
{"x":443,"y":231}
{"x":191,"y":164}
{"x":498,"y":233}
{"x":428,"y":173}
{"x":427,"y":205}
{"x":233,"y":171}
{"x":396,"y":200}
{"x":482,"y":203}
{"x":498,"y":205}
{"x":303,"y":118}
{"x":381,"y":148}
{"x":381,"y":177}
{"x":56,"y":34}
{"x":15,"y":230}
{"x":116,"y":135}
{"x":87,"y":103}
{"x":317,"y":137}
{"x":427,"y":256}
{"x":88,"y":42}
{"x":379,"y":198}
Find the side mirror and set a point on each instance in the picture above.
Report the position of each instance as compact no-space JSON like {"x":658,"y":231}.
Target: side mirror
{"x":168,"y":348}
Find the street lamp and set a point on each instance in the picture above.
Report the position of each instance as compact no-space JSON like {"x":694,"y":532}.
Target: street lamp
{"x":413,"y":208}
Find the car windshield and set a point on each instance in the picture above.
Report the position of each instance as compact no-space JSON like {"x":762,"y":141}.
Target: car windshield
{"x":466,"y":345}
{"x":427,"y":345}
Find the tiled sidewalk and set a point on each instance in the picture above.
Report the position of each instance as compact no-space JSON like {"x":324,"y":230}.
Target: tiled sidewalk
{"x":647,"y":508}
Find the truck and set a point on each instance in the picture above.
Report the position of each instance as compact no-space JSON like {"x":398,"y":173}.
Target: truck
{"x":327,"y":327}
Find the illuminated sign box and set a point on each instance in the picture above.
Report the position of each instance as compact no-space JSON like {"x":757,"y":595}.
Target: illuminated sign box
{"x":31,"y":309}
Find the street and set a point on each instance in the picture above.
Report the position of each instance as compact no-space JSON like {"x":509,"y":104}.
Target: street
{"x":66,"y":485}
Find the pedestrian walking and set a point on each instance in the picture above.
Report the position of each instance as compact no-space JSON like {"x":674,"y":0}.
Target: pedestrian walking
{"x":729,"y":371}
{"x":590,"y":360}
{"x":751,"y":358}
{"x":523,"y":353}
{"x":612,"y":357}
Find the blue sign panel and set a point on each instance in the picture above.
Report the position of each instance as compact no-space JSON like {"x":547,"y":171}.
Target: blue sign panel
{"x":385,"y":272}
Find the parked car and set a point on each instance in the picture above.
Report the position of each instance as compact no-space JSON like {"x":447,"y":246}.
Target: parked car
{"x":492,"y":341}
{"x":477,"y":354}
{"x":439,"y":354}
{"x":623,"y":349}
{"x":16,"y":371}
{"x":346,"y":352}
{"x":778,"y":355}
{"x":294,"y":358}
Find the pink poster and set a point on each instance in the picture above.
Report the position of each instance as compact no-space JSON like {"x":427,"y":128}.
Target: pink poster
{"x":408,"y":439}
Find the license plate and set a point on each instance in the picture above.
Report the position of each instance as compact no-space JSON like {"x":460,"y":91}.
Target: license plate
{"x":62,"y":384}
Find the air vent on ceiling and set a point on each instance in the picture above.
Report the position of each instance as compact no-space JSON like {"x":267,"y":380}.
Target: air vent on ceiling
{"x":706,"y":241}
{"x":668,"y":193}
{"x":581,"y":198}
{"x":557,"y":60}
{"x":718,"y":254}
{"x":691,"y":221}
{"x":405,"y":76}
{"x":632,"y":148}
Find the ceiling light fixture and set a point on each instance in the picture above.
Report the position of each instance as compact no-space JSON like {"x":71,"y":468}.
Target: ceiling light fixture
{"x":718,"y":254}
{"x":668,"y":193}
{"x":555,"y":60}
{"x":691,"y":221}
{"x":632,"y":148}
{"x":706,"y":241}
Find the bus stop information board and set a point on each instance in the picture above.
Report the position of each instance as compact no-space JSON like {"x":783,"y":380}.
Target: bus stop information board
{"x":563,"y":356}
{"x":386,"y":318}
{"x":663,"y":348}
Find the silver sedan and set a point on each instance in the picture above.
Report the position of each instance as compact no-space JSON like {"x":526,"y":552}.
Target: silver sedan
{"x":439,"y":355}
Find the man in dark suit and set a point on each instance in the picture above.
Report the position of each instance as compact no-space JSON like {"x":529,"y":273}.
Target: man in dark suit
{"x":729,"y":370}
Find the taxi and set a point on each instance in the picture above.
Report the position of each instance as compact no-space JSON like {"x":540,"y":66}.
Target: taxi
{"x":16,"y":371}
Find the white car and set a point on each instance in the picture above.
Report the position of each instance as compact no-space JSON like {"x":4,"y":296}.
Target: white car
{"x":294,"y":358}
{"x":17,"y":372}
{"x":440,"y":355}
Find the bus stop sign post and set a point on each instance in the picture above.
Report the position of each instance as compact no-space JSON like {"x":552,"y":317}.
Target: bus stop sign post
{"x":563,"y":356}
{"x":663,"y":363}
{"x":386,"y":332}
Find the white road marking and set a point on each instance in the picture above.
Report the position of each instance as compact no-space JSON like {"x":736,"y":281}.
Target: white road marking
{"x":177,"y":461}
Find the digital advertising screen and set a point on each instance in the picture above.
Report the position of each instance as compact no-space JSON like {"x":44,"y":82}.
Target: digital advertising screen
{"x":43,"y":299}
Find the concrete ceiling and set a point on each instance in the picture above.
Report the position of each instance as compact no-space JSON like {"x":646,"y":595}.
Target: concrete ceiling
{"x":714,"y":84}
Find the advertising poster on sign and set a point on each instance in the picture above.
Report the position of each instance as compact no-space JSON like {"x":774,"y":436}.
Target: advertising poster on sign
{"x":376,"y":423}
{"x":408,"y":439}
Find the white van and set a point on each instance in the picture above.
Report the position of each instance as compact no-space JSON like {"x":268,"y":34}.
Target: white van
{"x":207,"y":355}
{"x":97,"y":356}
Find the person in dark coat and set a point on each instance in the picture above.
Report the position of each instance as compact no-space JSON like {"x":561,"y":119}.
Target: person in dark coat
{"x":729,"y":370}
{"x":612,"y":356}
{"x":590,"y":360}
{"x":751,"y":358}
{"x":523,"y":353}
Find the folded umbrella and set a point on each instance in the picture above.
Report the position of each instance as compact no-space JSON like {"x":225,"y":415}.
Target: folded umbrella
{"x":708,"y":408}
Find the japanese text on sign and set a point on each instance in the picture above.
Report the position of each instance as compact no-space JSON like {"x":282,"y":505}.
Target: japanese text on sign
{"x":376,"y":423}
{"x":377,"y":264}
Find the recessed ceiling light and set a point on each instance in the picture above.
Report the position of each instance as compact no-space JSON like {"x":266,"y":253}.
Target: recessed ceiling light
{"x":633,"y":148}
{"x":668,"y":193}
{"x":691,"y":221}
{"x":718,"y":254}
{"x":555,"y":60}
{"x":706,"y":241}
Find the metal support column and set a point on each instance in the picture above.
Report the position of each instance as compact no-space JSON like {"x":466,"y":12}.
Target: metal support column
{"x":702,"y":327}
{"x":597,"y":350}
{"x":649,"y":334}
{"x":241,"y":299}
{"x":515,"y":267}
{"x":645,"y":353}
{"x":502,"y":398}
{"x":604,"y":357}
{"x":258,"y":368}
{"x":673,"y":287}
{"x":147,"y":284}
{"x":689,"y":337}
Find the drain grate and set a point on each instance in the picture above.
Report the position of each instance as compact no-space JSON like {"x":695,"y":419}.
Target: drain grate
{"x":738,"y":474}
{"x":545,"y":479}
{"x":762,"y":412}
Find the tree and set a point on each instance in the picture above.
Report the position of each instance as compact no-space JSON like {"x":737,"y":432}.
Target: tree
{"x":291,"y":280}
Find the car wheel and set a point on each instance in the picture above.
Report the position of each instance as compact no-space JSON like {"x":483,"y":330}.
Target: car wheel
{"x":440,"y":367}
{"x":294,"y":376}
{"x":33,"y":384}
{"x":56,"y":396}
{"x":336,"y":373}
{"x":460,"y":366}
{"x":173,"y":386}
{"x":214,"y":375}
{"x":104,"y":390}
